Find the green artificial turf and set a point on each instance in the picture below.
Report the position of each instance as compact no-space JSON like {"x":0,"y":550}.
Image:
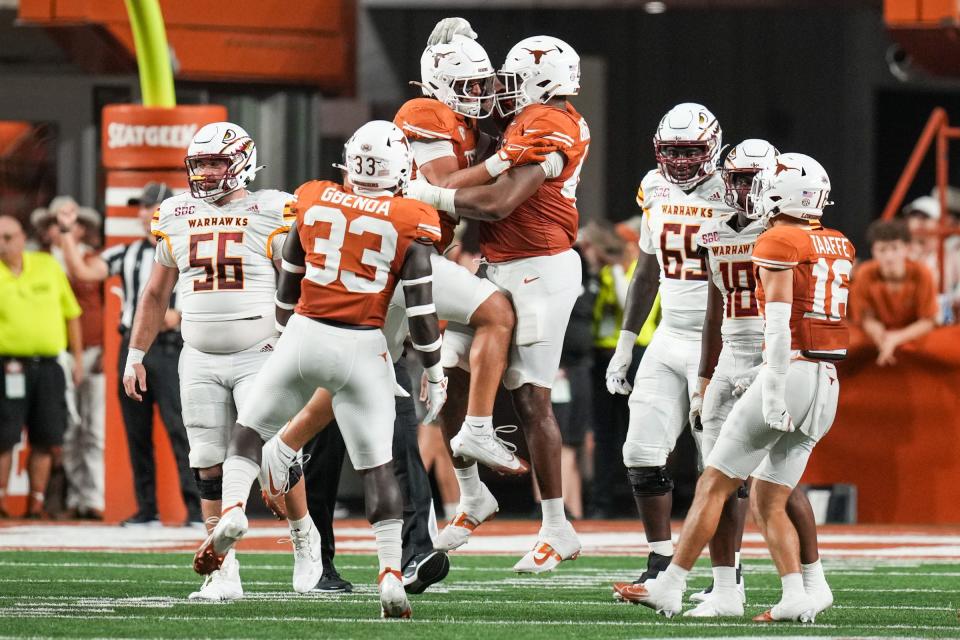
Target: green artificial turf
{"x":113,"y":595}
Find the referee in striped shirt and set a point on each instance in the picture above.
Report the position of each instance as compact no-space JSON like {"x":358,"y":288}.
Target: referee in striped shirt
{"x":133,"y":262}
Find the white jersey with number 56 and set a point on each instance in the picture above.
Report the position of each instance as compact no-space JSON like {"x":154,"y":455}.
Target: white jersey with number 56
{"x":671,"y":222}
{"x":224,"y":253}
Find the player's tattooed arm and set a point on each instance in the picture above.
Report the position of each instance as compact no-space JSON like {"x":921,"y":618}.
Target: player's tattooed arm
{"x":711,"y":343}
{"x":292,"y":268}
{"x":642,"y":292}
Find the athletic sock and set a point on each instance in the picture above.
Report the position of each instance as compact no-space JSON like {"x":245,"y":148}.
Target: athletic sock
{"x":303,"y":524}
{"x":479,"y":424}
{"x":469,"y":481}
{"x":662,"y":547}
{"x":813,"y":577}
{"x":673,"y":577}
{"x":792,"y":585}
{"x":736,"y":560}
{"x":387,"y":533}
{"x":724,"y":578}
{"x":239,"y":474}
{"x":553,"y":512}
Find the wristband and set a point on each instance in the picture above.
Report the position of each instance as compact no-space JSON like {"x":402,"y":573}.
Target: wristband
{"x":626,"y":341}
{"x":435,"y":373}
{"x":496,"y":165}
{"x":134,"y":356}
{"x":445,"y":200}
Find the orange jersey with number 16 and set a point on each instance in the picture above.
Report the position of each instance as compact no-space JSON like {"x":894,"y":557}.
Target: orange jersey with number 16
{"x":821,"y":260}
{"x":355,"y":246}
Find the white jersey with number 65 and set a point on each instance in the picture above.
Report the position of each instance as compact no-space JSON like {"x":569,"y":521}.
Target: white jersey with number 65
{"x":224,"y":253}
{"x":671,"y":222}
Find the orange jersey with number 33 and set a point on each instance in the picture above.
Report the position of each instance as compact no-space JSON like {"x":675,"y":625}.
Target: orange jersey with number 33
{"x":546,"y":223}
{"x":355,"y":246}
{"x":821,"y":260}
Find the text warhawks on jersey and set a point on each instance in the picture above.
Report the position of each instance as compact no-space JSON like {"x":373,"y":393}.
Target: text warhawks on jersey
{"x":731,"y":264}
{"x":821,"y":260}
{"x":546,"y":223}
{"x":355,"y":246}
{"x":670,"y":229}
{"x":228,"y":249}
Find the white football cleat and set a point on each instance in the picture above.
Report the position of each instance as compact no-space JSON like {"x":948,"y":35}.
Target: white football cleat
{"x":471,"y":513}
{"x":230,"y":529}
{"x":307,"y":564}
{"x":223,"y":584}
{"x":719,"y":604}
{"x":393,"y":597}
{"x":653,"y":594}
{"x":800,"y":608}
{"x":275,"y":467}
{"x":486,"y":447}
{"x":822,"y":598}
{"x":554,"y":545}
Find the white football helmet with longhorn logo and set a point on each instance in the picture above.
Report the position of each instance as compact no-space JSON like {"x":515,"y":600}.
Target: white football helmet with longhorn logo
{"x":796,"y":185}
{"x":535,"y":70}
{"x":377,"y":158}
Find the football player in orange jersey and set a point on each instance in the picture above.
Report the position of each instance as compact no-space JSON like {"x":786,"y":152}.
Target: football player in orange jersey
{"x":349,"y":249}
{"x":528,"y":225}
{"x":803,"y":271}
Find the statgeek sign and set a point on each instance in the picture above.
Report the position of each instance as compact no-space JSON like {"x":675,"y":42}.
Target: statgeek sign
{"x":136,"y":137}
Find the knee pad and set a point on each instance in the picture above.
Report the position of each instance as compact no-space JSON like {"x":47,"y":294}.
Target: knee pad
{"x":743,"y":491}
{"x":648,"y":482}
{"x":296,"y":472}
{"x":210,"y":488}
{"x":643,"y":455}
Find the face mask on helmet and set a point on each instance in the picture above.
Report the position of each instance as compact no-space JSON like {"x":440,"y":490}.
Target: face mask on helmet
{"x":460,"y":75}
{"x":738,"y":183}
{"x":684,"y":163}
{"x":221,"y":158}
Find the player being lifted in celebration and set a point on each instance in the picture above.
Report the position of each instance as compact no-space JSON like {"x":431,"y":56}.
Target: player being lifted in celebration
{"x":684,"y":192}
{"x":528,"y":225}
{"x":350,"y":248}
{"x":803,"y":272}
{"x":220,"y":242}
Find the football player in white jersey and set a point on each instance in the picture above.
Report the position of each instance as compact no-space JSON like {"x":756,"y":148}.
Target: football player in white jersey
{"x":220,"y":243}
{"x":684,"y":192}
{"x":731,"y":355}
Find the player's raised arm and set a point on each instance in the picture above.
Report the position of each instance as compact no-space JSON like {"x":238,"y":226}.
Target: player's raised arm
{"x":487,"y":202}
{"x":417,"y":277}
{"x":292,"y":269}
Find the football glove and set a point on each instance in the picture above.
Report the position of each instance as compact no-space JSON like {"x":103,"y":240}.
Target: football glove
{"x":444,"y":31}
{"x":741,"y":384}
{"x":435,"y":395}
{"x":776,"y":415}
{"x":519,"y":150}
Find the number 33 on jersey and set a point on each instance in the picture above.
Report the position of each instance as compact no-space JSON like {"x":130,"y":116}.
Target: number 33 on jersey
{"x":355,"y":246}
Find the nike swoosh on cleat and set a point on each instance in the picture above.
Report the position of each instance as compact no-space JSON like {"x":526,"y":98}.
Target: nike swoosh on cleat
{"x":543,"y":554}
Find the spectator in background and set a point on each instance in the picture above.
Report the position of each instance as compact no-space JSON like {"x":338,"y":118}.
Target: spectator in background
{"x":39,"y":317}
{"x":617,"y":253}
{"x":892,"y":298}
{"x":84,"y":441}
{"x":133,"y":262}
{"x":923,"y":222}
